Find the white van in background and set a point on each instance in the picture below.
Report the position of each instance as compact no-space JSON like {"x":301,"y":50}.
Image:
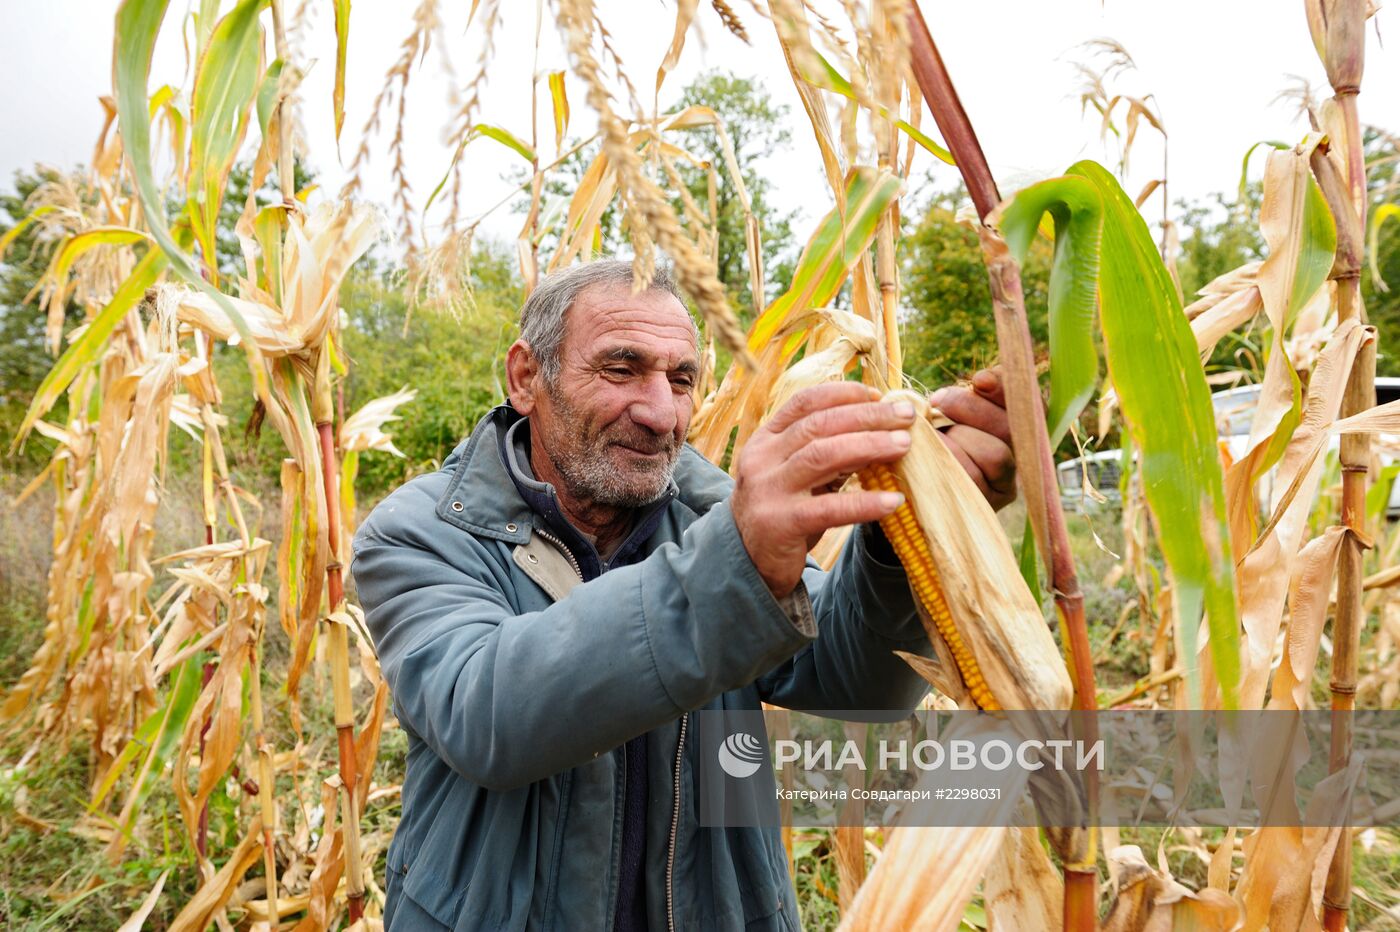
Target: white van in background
{"x":1234,"y":412}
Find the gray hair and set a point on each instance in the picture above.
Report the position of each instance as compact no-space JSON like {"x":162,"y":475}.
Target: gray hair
{"x":542,"y":314}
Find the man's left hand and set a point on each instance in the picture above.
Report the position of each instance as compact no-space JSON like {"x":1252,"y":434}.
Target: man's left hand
{"x":981,"y":434}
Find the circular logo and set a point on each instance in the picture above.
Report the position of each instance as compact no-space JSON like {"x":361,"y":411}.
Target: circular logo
{"x":740,"y":755}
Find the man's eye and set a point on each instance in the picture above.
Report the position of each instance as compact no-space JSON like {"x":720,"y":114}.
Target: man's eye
{"x":618,"y":370}
{"x":684,"y":384}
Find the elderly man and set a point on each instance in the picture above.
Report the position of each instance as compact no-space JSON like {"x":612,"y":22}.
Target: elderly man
{"x":550,"y":605}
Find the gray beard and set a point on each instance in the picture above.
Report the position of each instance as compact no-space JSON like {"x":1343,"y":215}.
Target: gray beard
{"x":591,"y":474}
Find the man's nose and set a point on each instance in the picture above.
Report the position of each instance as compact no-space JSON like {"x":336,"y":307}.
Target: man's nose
{"x":655,"y":408}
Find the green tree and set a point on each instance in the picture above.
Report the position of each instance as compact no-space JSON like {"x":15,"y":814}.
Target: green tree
{"x":1383,"y":304}
{"x":24,"y":357}
{"x":757,"y":127}
{"x":947,"y":330}
{"x":455,"y":365}
{"x":1221,"y":234}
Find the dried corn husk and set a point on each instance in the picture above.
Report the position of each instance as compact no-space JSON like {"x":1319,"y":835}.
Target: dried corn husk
{"x":991,"y":606}
{"x":898,"y":894}
{"x":315,"y":257}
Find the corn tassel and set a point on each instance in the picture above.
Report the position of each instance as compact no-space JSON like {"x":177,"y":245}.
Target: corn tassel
{"x":904,"y":534}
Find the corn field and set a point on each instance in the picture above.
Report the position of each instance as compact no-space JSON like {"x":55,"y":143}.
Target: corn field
{"x":154,"y":665}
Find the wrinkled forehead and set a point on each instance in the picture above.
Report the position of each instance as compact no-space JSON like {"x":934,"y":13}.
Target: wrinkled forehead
{"x":652,"y":324}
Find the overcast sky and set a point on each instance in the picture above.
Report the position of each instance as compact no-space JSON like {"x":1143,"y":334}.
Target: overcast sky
{"x":1215,"y":67}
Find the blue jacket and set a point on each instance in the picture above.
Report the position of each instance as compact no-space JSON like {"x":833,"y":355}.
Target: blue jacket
{"x":517,"y":684}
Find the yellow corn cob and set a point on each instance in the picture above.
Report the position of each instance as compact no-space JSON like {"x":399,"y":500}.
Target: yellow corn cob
{"x":903,"y":531}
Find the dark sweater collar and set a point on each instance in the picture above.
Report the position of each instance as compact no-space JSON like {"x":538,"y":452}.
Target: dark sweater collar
{"x":544,"y":501}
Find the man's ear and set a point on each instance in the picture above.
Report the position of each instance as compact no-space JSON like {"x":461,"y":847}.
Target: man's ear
{"x":521,"y":372}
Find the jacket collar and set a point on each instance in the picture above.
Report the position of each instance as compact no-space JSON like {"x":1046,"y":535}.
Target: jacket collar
{"x":483,"y":498}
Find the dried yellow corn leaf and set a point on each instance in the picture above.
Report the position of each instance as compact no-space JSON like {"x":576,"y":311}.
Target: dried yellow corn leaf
{"x":1285,"y":865}
{"x":137,"y":920}
{"x":316,"y":254}
{"x":364,"y":430}
{"x":1308,"y":593}
{"x":1149,"y":901}
{"x":924,"y":879}
{"x":927,"y":874}
{"x":1023,"y":890}
{"x":1265,"y":569}
{"x":209,"y":900}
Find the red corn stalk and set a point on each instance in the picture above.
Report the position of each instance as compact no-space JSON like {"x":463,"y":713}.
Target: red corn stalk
{"x":1030,"y":438}
{"x":340,"y":655}
{"x":323,"y":413}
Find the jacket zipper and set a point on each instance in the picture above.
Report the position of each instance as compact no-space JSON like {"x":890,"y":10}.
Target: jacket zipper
{"x":568,"y":554}
{"x":676,"y":776}
{"x":675,"y":825}
{"x":617,"y":889}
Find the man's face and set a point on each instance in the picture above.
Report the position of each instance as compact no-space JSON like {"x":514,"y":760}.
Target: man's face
{"x":614,"y":421}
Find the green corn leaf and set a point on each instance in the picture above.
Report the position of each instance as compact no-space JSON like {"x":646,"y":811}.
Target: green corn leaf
{"x":832,"y":80}
{"x":224,"y":85}
{"x":76,"y":245}
{"x":1317,"y":249}
{"x":1075,"y":208}
{"x":1110,"y":263}
{"x":342,"y":39}
{"x":1373,"y":241}
{"x":507,"y":139}
{"x":13,"y":233}
{"x":137,"y":24}
{"x":933,"y":148}
{"x":89,"y":345}
{"x":1027,"y":561}
{"x":155,"y":740}
{"x":267,"y":230}
{"x":86,"y":619}
{"x":205,"y":17}
{"x":1378,"y":495}
{"x":503,"y":136}
{"x":1168,"y":410}
{"x":834,"y":248}
{"x":267,"y":94}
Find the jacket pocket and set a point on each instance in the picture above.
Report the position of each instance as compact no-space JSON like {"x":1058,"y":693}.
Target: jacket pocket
{"x":426,"y":902}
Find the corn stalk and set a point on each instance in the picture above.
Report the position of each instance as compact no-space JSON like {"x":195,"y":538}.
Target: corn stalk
{"x":1338,"y":32}
{"x":1030,"y":438}
{"x":323,"y":414}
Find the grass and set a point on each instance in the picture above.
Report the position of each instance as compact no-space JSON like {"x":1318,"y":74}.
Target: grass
{"x":54,"y":873}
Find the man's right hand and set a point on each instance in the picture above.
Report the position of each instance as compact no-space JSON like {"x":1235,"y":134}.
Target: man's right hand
{"x":781,"y":502}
